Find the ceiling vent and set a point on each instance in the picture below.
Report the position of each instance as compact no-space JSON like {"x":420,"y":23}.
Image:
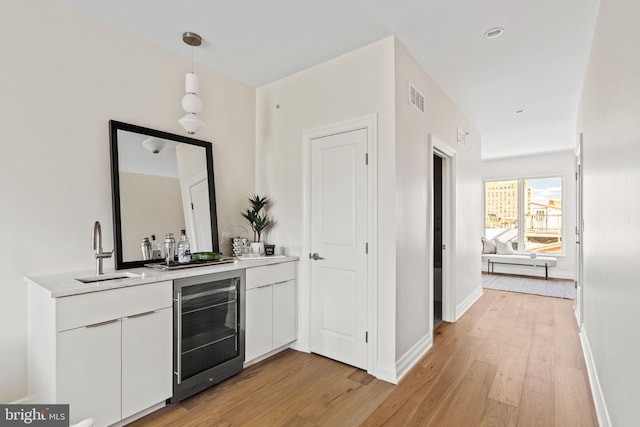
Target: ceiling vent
{"x":416,"y":98}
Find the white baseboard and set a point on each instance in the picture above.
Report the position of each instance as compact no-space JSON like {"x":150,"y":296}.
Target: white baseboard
{"x":562,"y":275}
{"x":139,"y":415}
{"x":596,"y":389}
{"x":24,"y":401}
{"x":386,"y":375}
{"x":273,"y":352}
{"x":411,"y":357}
{"x":297,"y":347}
{"x":467,"y":303}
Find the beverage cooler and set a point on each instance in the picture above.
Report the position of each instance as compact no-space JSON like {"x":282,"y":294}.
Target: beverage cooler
{"x":208,"y":331}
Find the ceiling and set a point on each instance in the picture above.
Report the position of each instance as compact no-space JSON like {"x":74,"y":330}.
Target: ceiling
{"x":537,"y":65}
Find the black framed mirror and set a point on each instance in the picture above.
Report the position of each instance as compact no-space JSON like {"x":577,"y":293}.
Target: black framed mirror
{"x":161,"y":183}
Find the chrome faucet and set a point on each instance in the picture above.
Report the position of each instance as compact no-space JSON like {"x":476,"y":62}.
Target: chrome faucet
{"x":97,"y":246}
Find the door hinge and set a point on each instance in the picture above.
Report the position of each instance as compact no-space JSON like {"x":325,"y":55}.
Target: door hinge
{"x":366,"y":337}
{"x":191,"y":205}
{"x":366,"y":158}
{"x":366,"y":248}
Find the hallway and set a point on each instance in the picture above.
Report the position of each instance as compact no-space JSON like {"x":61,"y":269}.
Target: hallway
{"x":511,"y":360}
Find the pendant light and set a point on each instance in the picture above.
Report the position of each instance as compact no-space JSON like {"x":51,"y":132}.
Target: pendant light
{"x":191,"y":102}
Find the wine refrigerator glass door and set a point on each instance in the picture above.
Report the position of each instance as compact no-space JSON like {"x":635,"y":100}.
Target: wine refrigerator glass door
{"x":207,"y":328}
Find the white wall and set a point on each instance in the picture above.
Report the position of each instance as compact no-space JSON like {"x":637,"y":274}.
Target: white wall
{"x":413,"y":184}
{"x":610,"y":120}
{"x":353,"y":85}
{"x":561,"y":163}
{"x":63,"y":77}
{"x":360,"y":83}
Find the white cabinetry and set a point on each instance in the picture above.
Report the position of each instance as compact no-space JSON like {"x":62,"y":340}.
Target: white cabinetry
{"x":107,"y":354}
{"x":258,"y":315}
{"x":271,"y":309}
{"x":285,"y":305}
{"x":146,"y":360}
{"x":88,"y":371}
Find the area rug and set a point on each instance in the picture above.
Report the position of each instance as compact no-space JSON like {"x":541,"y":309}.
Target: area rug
{"x":559,"y":288}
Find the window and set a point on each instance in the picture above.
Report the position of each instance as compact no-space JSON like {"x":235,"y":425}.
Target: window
{"x":526,"y":212}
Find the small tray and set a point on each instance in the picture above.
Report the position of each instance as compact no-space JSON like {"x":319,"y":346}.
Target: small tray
{"x":195,"y":263}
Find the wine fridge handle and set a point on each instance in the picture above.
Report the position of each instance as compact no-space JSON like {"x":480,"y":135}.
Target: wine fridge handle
{"x":178,"y":374}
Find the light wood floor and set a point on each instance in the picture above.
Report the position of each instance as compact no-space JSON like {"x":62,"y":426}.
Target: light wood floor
{"x":512,"y":360}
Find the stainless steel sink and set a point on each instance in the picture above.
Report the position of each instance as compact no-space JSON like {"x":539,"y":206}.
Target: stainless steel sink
{"x":105,"y":277}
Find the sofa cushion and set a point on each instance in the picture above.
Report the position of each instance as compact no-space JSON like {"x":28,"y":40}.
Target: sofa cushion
{"x":488,"y":246}
{"x":504,"y":248}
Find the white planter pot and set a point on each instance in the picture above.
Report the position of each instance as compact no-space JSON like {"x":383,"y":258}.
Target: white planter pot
{"x":257,"y":248}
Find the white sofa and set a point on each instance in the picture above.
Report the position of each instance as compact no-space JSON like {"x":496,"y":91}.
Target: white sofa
{"x":518,"y":259}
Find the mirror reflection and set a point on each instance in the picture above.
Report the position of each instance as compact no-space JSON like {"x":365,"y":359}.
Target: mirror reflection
{"x":162,"y":184}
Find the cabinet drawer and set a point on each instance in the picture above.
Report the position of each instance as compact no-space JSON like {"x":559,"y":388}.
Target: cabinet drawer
{"x":269,"y":274}
{"x":95,"y":307}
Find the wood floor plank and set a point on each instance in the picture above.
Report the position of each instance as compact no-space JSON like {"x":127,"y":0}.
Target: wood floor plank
{"x":544,"y":313}
{"x":493,"y":351}
{"x":274,"y":403}
{"x":568,"y":349}
{"x":498,"y":414}
{"x":540,"y":365}
{"x":509,"y":381}
{"x":526,"y":319}
{"x":354,"y":410}
{"x":464,"y":408}
{"x":536,"y":410}
{"x":444,"y":390}
{"x":483,"y":326}
{"x":508,"y":384}
{"x":573,"y":403}
{"x":419,"y":407}
{"x":512,"y":359}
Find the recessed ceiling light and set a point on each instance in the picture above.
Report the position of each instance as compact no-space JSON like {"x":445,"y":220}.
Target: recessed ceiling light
{"x":519,"y":111}
{"x":494,"y":33}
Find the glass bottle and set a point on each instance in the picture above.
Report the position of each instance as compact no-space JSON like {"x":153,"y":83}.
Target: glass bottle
{"x":169,"y":248}
{"x":156,"y":252}
{"x":146,"y":249}
{"x":184,"y":248}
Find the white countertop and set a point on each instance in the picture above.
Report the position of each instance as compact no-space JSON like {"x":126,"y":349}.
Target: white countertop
{"x":65,"y":284}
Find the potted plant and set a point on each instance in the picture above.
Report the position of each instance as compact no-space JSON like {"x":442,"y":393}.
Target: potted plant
{"x":259,"y":222}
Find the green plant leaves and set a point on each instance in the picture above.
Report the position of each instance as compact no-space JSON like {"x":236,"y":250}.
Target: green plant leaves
{"x":259,"y":222}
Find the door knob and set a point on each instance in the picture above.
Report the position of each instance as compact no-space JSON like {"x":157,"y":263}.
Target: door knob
{"x":314,"y":256}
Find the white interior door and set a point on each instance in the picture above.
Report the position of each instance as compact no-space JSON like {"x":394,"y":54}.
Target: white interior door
{"x":579,"y":232}
{"x":201,"y":233}
{"x":339,"y":238}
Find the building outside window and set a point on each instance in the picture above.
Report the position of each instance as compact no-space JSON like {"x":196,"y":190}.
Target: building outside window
{"x":526,"y":212}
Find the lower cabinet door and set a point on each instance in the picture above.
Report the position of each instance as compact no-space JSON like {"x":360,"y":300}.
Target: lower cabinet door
{"x":285,"y":320}
{"x":88,"y":369}
{"x":258,"y":315}
{"x":146,"y":360}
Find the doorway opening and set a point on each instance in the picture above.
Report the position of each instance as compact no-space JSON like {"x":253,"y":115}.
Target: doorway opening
{"x":437,"y":241}
{"x":442,"y":232}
